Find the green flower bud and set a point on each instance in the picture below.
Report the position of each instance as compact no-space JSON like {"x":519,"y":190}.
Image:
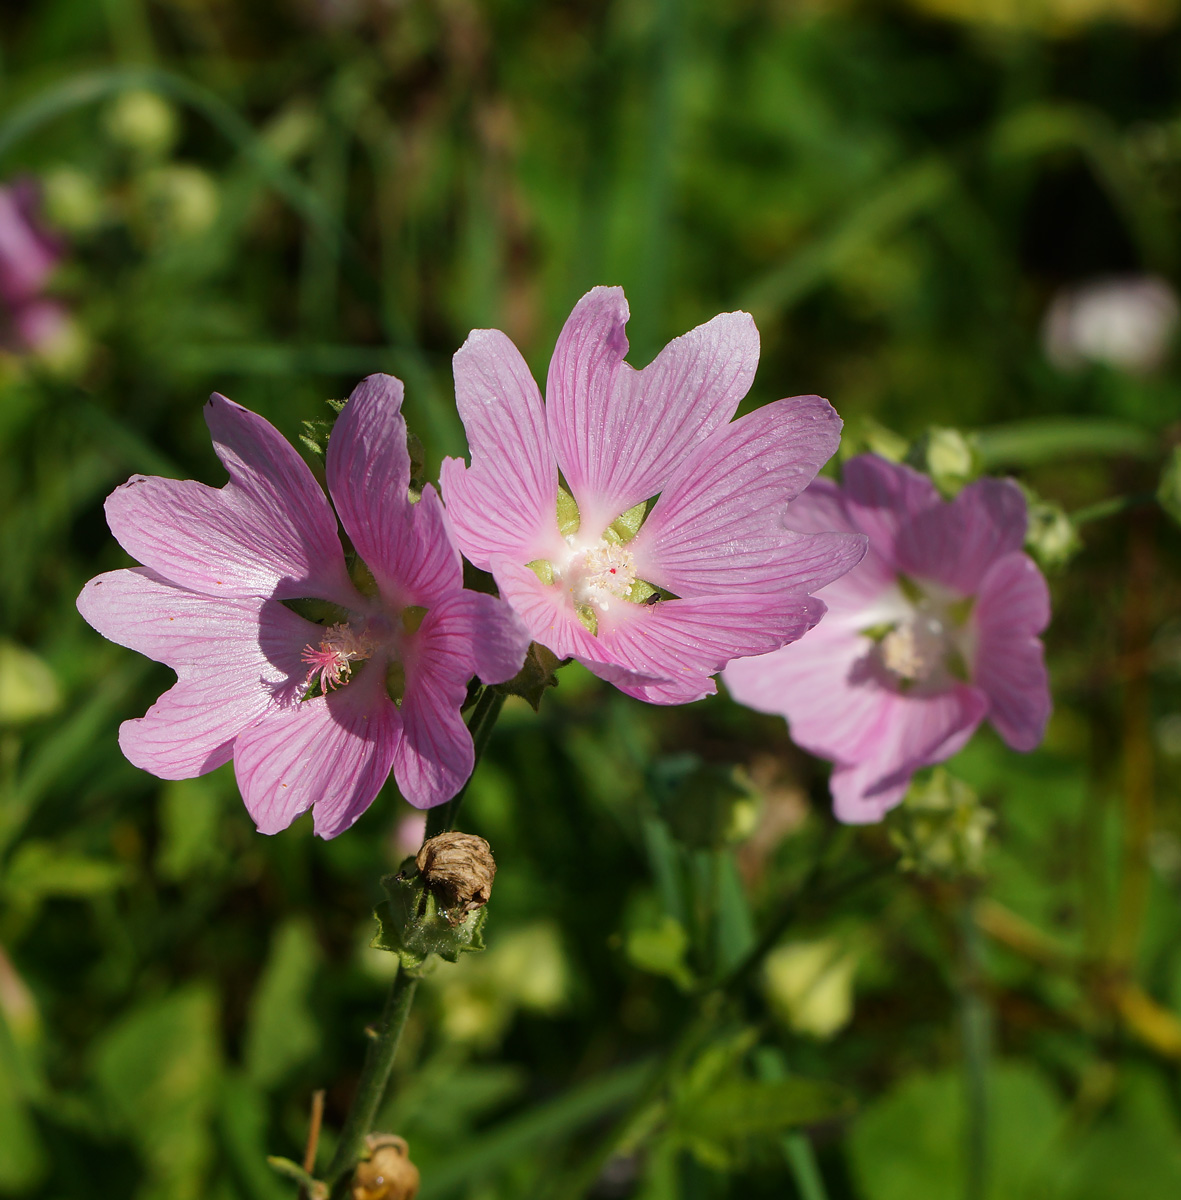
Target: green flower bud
{"x":941,"y":828}
{"x":28,"y":689}
{"x":178,"y":200}
{"x":143,"y":122}
{"x":809,"y":985}
{"x":72,"y":199}
{"x":948,"y":456}
{"x":1051,"y":536}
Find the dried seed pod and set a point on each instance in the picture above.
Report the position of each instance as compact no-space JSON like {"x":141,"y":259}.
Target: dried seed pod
{"x":458,"y":870}
{"x":388,"y":1173}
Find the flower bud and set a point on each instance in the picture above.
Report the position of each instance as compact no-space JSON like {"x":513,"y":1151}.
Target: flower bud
{"x":28,"y":688}
{"x":387,"y":1172}
{"x":941,"y":827}
{"x":178,"y":200}
{"x":947,"y":456}
{"x":810,"y":985}
{"x":1050,"y":536}
{"x":457,"y":869}
{"x":72,"y":199}
{"x":142,"y":121}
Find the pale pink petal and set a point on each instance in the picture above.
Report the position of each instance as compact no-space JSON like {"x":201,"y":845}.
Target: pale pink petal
{"x":955,"y":544}
{"x":330,"y":754}
{"x":916,"y":730}
{"x":480,"y":633}
{"x":235,"y":659}
{"x":506,"y":501}
{"x":638,"y":429}
{"x":545,"y":610}
{"x":27,"y":255}
{"x":721,"y":520}
{"x":688,"y":641}
{"x":406,"y":546}
{"x":1013,"y":606}
{"x":824,"y":685}
{"x":882,"y":497}
{"x":269,"y":531}
{"x":819,"y":508}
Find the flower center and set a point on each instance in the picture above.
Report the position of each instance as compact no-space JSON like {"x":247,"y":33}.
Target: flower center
{"x":332,"y":664}
{"x":915,"y":648}
{"x":599,"y":574}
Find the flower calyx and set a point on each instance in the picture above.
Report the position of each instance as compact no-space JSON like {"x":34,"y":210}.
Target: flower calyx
{"x":436,"y":902}
{"x":386,"y":1172}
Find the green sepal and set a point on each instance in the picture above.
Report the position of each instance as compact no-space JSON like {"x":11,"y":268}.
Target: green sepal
{"x":412,"y":617}
{"x":877,"y":633}
{"x":627,"y":525}
{"x":588,"y":617}
{"x":569,"y":518}
{"x":315,"y":437}
{"x":911,"y":590}
{"x":321,"y":612}
{"x":543,"y":569}
{"x":411,"y":924}
{"x":537,"y":674}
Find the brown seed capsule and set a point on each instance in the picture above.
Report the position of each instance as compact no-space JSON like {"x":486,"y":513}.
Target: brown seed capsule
{"x":458,"y":870}
{"x":388,"y":1173}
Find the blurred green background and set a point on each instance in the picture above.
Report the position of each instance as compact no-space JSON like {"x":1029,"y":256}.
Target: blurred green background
{"x":272,"y":198}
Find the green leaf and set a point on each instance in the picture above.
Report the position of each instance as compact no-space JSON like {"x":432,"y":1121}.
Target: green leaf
{"x":22,"y":1157}
{"x":39,"y":869}
{"x":280,"y":1029}
{"x":660,"y":949}
{"x":737,"y":1109}
{"x":1168,"y":492}
{"x":188,"y":813}
{"x":158,"y":1071}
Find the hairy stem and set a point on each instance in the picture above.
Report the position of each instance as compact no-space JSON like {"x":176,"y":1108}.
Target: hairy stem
{"x":375,"y":1074}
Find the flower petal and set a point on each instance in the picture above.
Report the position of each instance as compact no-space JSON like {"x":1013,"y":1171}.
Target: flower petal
{"x":823,"y":685}
{"x":620,"y":432}
{"x":955,"y":544}
{"x":688,"y":641}
{"x":506,"y":501}
{"x":406,"y":546}
{"x":1013,"y":606}
{"x":269,"y":531}
{"x":721,"y":520}
{"x":482,"y":632}
{"x":330,"y":754}
{"x":882,"y":497}
{"x":915,"y":730}
{"x":235,"y":658}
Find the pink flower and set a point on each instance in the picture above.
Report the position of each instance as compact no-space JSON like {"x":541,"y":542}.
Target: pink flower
{"x":655,"y":597}
{"x":313,"y":715}
{"x":28,"y":256}
{"x":935,"y":630}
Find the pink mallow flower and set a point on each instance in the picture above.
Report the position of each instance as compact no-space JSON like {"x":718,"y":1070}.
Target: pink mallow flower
{"x":935,"y":630}
{"x":29,"y":254}
{"x":628,"y":520}
{"x":314,"y":715}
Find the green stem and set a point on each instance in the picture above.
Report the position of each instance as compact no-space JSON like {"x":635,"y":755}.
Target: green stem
{"x":442,"y":818}
{"x":375,"y":1074}
{"x":1111,"y":508}
{"x":974,"y":1017}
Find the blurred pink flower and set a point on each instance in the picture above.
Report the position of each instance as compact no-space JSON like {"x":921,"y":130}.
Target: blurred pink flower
{"x":935,"y":630}
{"x":734,"y":580}
{"x":28,"y":256}
{"x":314,"y":716}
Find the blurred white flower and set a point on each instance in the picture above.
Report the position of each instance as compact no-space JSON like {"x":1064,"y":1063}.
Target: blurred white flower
{"x":1125,"y":321}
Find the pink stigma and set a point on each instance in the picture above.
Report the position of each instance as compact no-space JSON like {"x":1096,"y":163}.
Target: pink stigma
{"x":333,"y":661}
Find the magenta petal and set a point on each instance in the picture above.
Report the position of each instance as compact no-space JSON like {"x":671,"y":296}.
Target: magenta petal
{"x":483,"y":632}
{"x":545,"y":610}
{"x":236,"y":659}
{"x":882,"y":497}
{"x":642,"y":428}
{"x":1013,"y":606}
{"x":269,"y":531}
{"x":915,"y":731}
{"x":722,"y":518}
{"x":505,"y":502}
{"x":956,"y":543}
{"x":407,"y":546}
{"x":330,"y":754}
{"x":688,"y":641}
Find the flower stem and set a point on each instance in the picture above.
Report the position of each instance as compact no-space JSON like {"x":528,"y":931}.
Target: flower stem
{"x":974,"y":1017}
{"x":491,"y":701}
{"x":1111,"y":508}
{"x":379,"y":1058}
